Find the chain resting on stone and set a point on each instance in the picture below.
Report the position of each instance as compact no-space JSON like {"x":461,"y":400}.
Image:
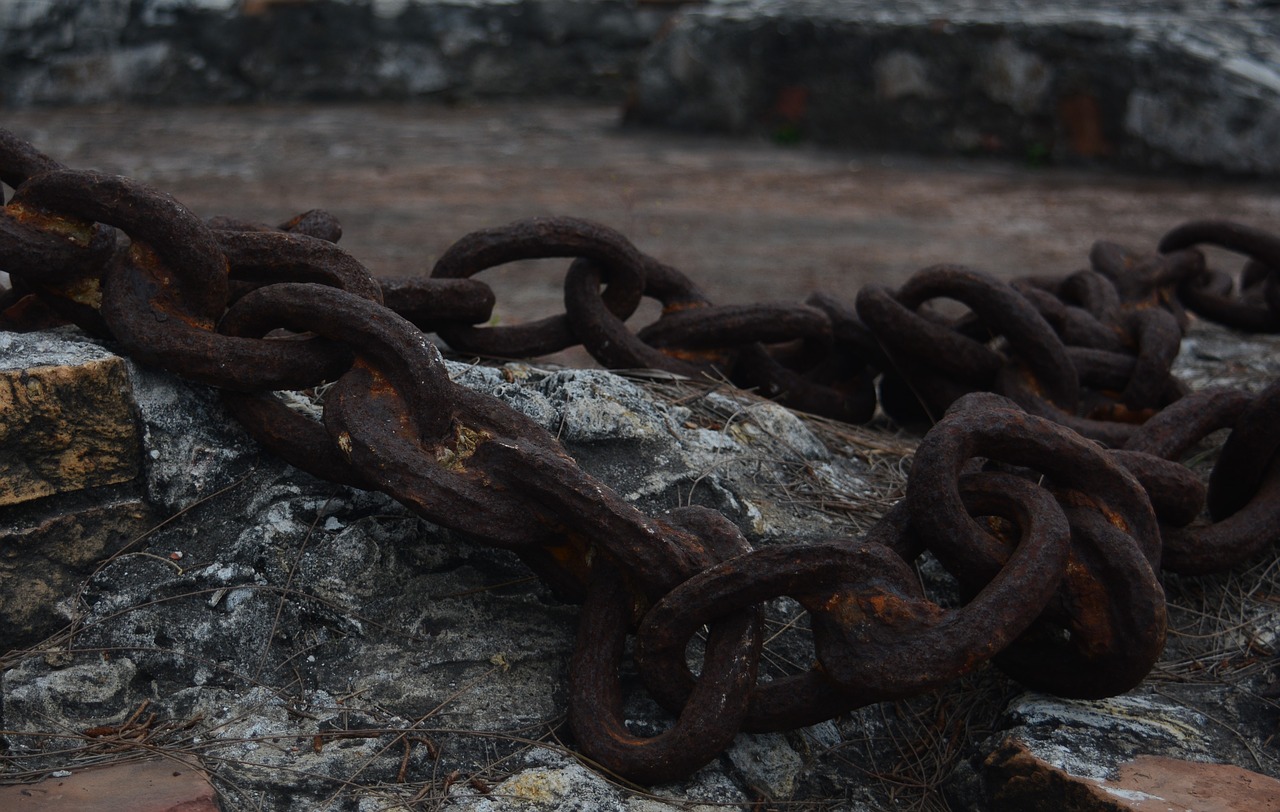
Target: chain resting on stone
{"x":1049,"y":481}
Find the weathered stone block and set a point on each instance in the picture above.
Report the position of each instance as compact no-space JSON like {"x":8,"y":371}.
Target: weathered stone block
{"x":67,"y":421}
{"x":1146,"y":783}
{"x":1132,"y":752}
{"x":43,"y":561}
{"x":68,"y":431}
{"x":1157,"y":87}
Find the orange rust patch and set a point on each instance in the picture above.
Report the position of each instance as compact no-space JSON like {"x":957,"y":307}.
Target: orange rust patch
{"x":792,"y":103}
{"x":1114,"y":518}
{"x":573,"y":556}
{"x":379,"y":385}
{"x":695,"y":356}
{"x":1081,"y":117}
{"x":895,"y":610}
{"x":77,"y":231}
{"x":678,"y":307}
{"x":1075,"y":498}
{"x":146,"y":257}
{"x":1031,"y":381}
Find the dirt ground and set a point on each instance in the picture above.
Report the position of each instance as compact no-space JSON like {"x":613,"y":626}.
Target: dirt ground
{"x":749,"y":221}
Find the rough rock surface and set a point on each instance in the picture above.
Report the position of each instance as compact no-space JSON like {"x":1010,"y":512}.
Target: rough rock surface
{"x":1154,"y":84}
{"x":66,"y":422}
{"x":1151,"y":83}
{"x":318,"y":647}
{"x":70,"y":451}
{"x":301,"y":625}
{"x":85,"y":51}
{"x":1102,"y":755}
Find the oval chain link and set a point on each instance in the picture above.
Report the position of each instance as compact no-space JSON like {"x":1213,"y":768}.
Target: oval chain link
{"x":1054,"y":540}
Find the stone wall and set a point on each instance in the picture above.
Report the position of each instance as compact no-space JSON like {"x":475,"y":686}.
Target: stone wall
{"x":1146,"y":84}
{"x":176,"y":51}
{"x":1140,"y":85}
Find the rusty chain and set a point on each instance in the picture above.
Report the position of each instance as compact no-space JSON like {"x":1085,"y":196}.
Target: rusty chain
{"x":1049,"y":484}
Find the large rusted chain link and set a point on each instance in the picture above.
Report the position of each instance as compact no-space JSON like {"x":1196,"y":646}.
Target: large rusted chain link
{"x":1054,"y":541}
{"x":60,"y":257}
{"x":1209,"y":293}
{"x":876,"y":636}
{"x":715,"y":708}
{"x":538,"y":238}
{"x":1110,"y":600}
{"x":1244,"y":487}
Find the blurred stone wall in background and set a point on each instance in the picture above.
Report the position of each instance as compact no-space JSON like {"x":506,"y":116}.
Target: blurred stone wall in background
{"x":176,"y":51}
{"x":1145,"y":84}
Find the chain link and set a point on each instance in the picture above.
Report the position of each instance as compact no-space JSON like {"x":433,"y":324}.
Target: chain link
{"x":1049,"y":484}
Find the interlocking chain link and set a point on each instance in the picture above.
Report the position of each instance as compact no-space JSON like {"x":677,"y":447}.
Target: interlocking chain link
{"x":1049,"y":484}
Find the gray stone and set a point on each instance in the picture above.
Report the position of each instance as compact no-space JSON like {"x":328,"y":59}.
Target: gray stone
{"x":83,"y":688}
{"x":1149,"y":85}
{"x":768,"y":763}
{"x":193,"y":445}
{"x":1138,"y":751}
{"x":568,"y":786}
{"x":83,"y":52}
{"x":285,"y":612}
{"x":326,"y":649}
{"x":1086,"y":736}
{"x":902,"y":74}
{"x":1250,"y":360}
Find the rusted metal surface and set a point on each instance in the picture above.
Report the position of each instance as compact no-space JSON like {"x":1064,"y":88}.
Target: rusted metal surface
{"x":1256,"y":308}
{"x":1051,"y":483}
{"x":605,"y":334}
{"x":714,"y":709}
{"x":540,"y":238}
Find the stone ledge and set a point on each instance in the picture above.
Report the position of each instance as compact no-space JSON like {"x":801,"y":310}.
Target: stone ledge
{"x":1144,"y":784}
{"x":1158,"y":85}
{"x":157,"y":785}
{"x":67,"y":420}
{"x":1138,"y":752}
{"x":160,"y":51}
